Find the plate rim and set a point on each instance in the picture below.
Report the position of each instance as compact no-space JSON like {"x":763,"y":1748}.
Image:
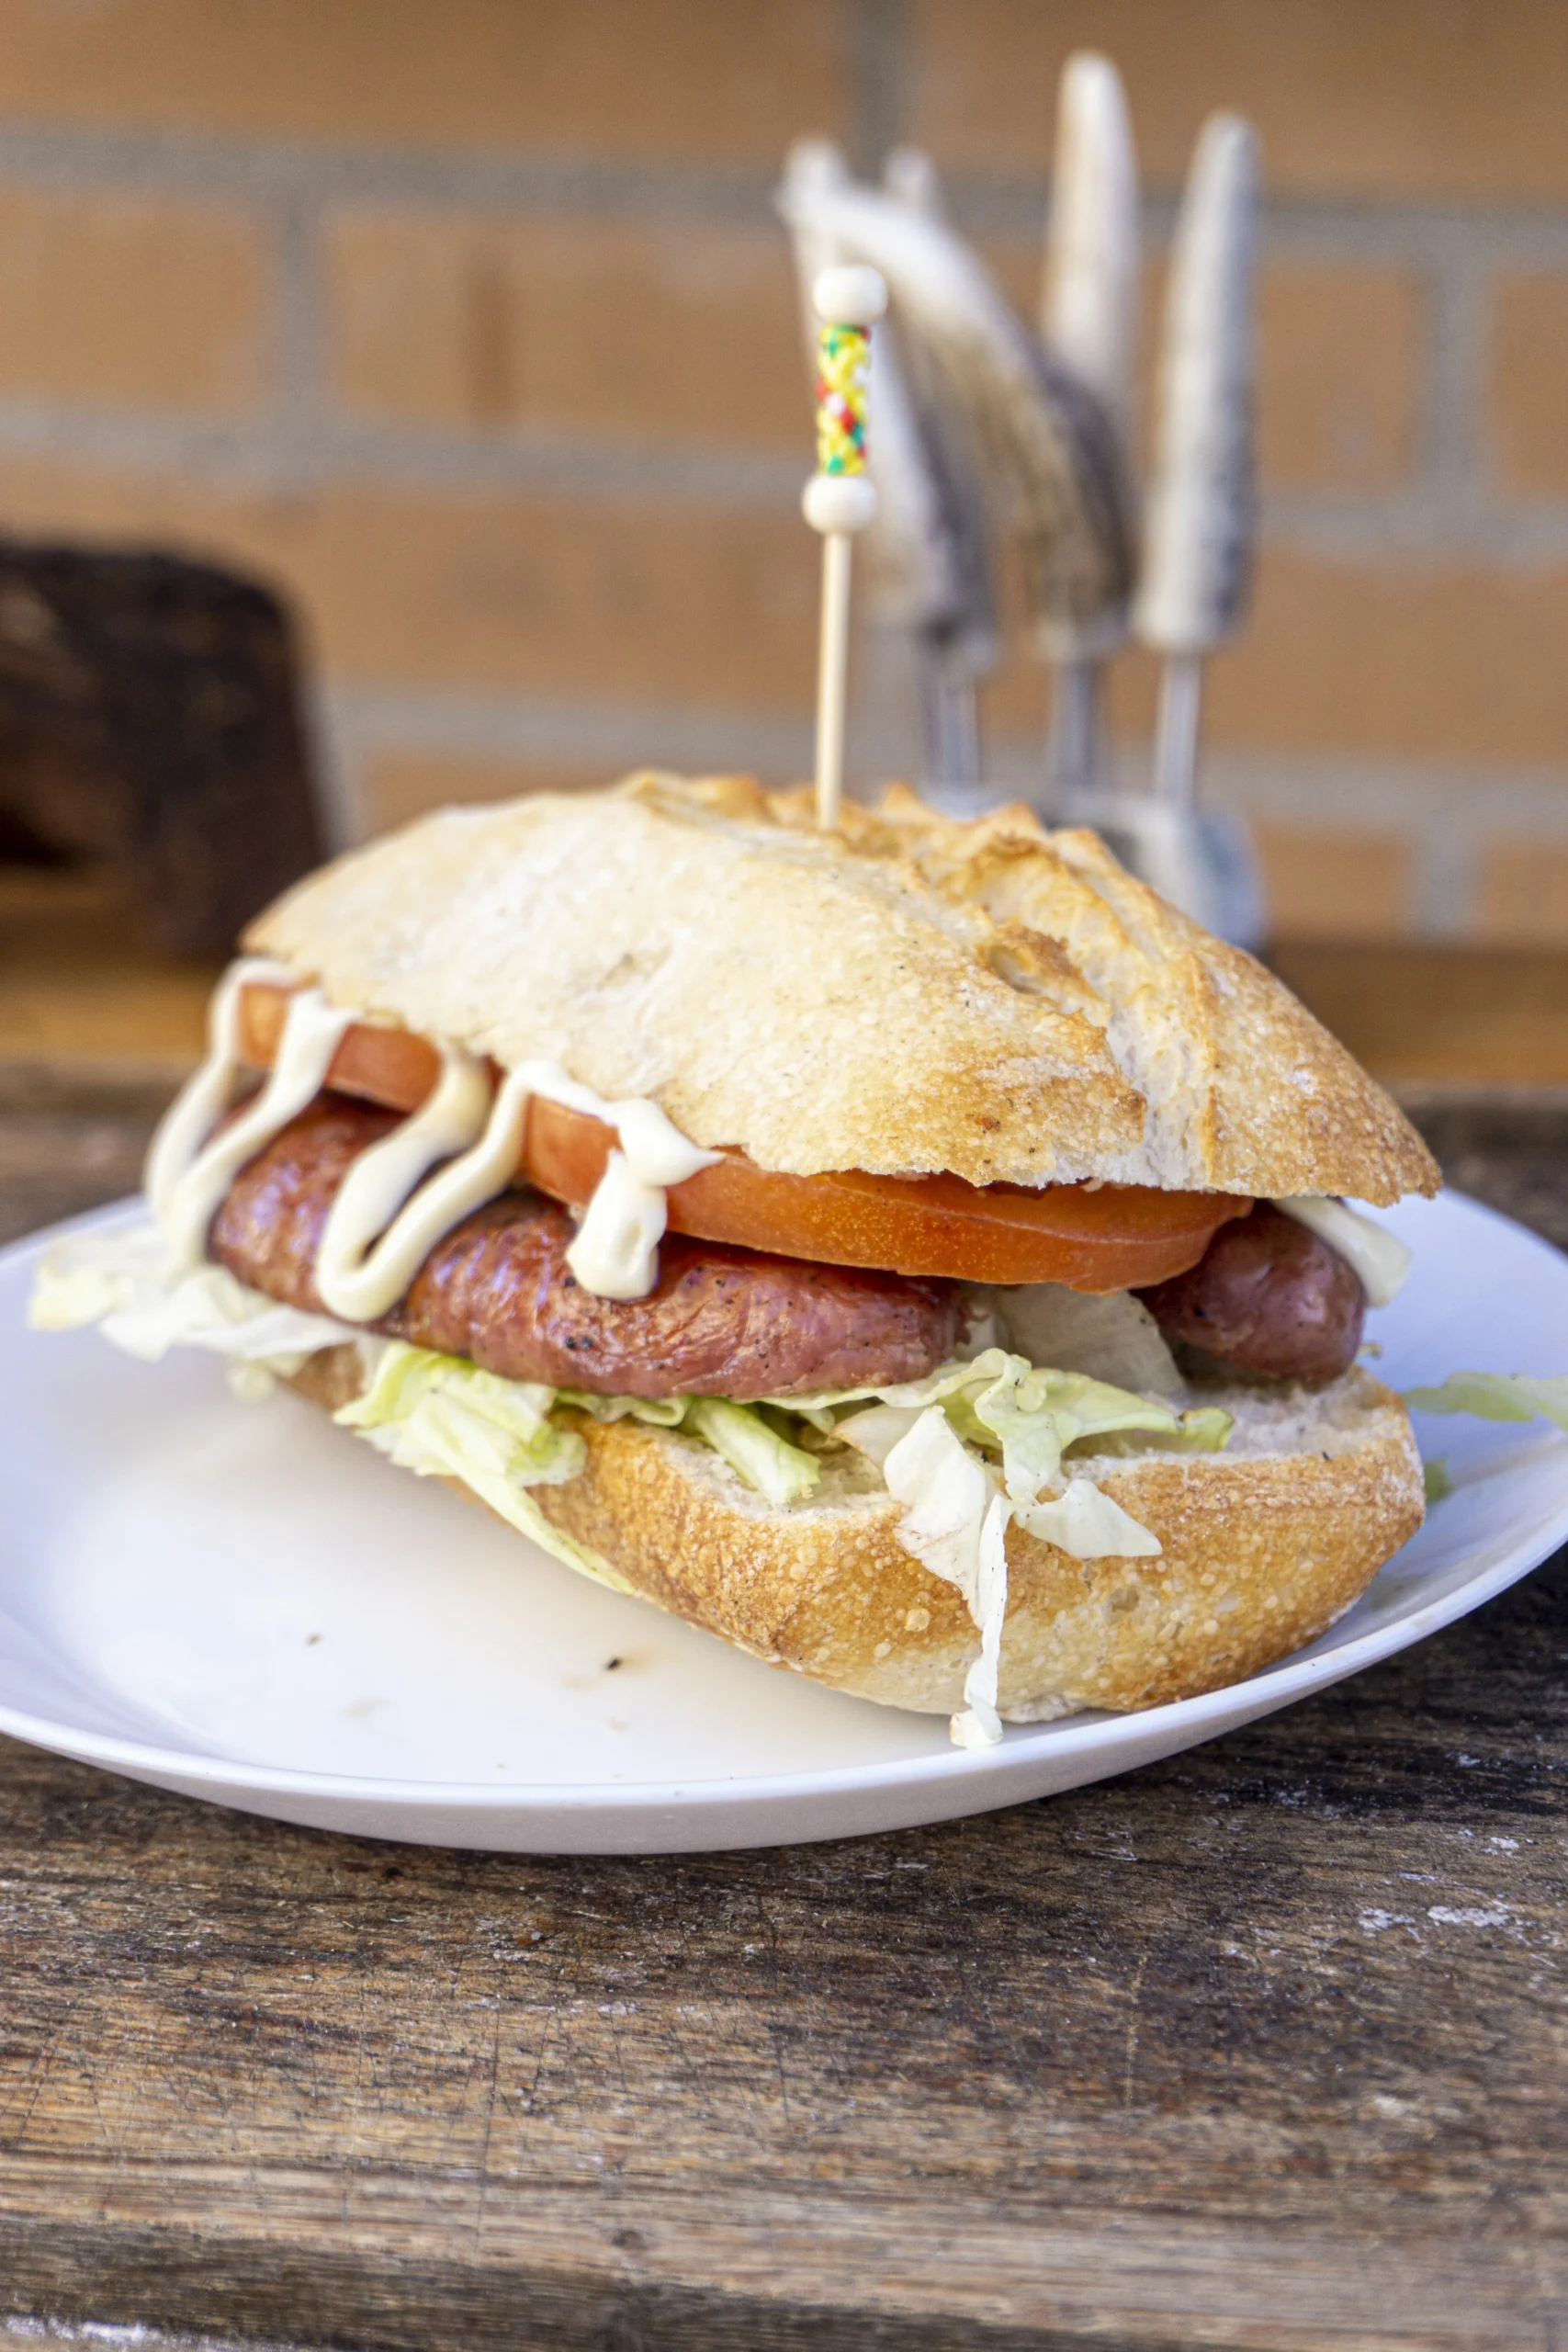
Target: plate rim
{"x":968,"y":1772}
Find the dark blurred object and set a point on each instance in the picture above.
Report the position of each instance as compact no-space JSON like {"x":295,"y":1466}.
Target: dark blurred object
{"x":150,"y":720}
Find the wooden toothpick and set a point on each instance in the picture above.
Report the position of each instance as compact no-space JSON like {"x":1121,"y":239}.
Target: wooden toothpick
{"x":840,"y":499}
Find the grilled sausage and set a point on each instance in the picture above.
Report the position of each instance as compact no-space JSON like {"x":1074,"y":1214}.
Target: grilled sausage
{"x":1267,"y":1296}
{"x":722,"y":1321}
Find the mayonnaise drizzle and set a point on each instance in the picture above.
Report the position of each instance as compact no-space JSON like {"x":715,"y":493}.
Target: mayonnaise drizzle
{"x":359,"y":1277}
{"x":1379,"y":1259}
{"x":187,"y":1176}
{"x":377,"y":1238}
{"x":615,"y":1252}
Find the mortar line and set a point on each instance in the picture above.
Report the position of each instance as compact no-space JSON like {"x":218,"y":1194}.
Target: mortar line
{"x":216,"y":168}
{"x":299,"y":396}
{"x":301,"y":443}
{"x":1454,"y":393}
{"x":1388,"y":228}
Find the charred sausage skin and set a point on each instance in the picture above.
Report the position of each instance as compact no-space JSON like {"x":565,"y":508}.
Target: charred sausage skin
{"x":722,"y":1321}
{"x":1267,"y":1296}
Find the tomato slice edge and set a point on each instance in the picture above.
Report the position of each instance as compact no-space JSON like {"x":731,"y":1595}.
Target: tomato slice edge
{"x":1102,"y":1238}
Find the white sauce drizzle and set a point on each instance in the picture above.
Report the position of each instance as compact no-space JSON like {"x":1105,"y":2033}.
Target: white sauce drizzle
{"x":377,"y":1238}
{"x":615,"y":1252}
{"x":1379,"y":1259}
{"x":360,"y":1277}
{"x":195,"y":1109}
{"x":186,"y":1176}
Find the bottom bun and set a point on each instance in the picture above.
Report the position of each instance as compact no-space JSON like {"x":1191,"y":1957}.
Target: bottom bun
{"x":1263,"y":1547}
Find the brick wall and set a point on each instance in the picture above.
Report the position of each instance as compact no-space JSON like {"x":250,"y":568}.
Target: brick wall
{"x":468,"y":322}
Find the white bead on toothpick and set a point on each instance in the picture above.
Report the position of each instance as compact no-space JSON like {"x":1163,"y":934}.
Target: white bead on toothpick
{"x":840,"y":499}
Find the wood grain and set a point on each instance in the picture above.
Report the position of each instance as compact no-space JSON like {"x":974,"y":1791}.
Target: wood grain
{"x":1264,"y":2047}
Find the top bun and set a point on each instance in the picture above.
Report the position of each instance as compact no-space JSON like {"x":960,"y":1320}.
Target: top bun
{"x":906,"y":994}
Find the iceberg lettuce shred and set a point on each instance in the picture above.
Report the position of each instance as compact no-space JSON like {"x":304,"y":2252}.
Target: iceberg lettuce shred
{"x":122,"y":1281}
{"x":441,"y":1417}
{"x":1435,"y":1484}
{"x":765,"y":1460}
{"x":1497,"y":1396}
{"x":977,"y":1446}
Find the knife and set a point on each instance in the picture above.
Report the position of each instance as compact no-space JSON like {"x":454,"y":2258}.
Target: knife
{"x":1088,"y":318}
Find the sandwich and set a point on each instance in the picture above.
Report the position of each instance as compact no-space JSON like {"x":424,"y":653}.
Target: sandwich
{"x":914,"y":1253}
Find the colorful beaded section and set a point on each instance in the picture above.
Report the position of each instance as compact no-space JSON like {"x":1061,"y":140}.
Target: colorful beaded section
{"x":843,"y":374}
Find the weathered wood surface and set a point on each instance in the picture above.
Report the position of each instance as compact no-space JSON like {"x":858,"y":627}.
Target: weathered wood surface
{"x":1265,"y":2047}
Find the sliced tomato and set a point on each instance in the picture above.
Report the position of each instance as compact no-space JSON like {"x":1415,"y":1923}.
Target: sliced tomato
{"x":1105,"y":1238}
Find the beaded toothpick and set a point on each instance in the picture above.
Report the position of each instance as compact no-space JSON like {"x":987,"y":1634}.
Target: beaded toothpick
{"x":839,"y":498}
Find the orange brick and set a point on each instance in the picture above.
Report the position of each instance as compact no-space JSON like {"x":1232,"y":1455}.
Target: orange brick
{"x":398,"y":785}
{"x":530,"y":593}
{"x":1409,"y":96}
{"x":122,"y":298}
{"x":1340,"y":356}
{"x":1527,"y":387}
{"x":1449,"y":661}
{"x":639,"y":328}
{"x":1333,"y":881}
{"x":639,"y":76}
{"x":1523,"y":898}
{"x":509,"y":590}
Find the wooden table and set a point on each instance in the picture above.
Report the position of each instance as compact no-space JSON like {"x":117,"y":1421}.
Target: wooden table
{"x":1265,"y":2047}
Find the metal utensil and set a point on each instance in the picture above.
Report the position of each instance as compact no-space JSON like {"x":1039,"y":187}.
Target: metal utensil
{"x":1201,"y":523}
{"x":1089,"y":319}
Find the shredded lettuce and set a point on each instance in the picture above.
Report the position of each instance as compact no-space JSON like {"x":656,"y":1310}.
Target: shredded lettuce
{"x":1497,"y":1396}
{"x":441,"y":1417}
{"x":124,"y":1282}
{"x":1030,"y":1415}
{"x":434,"y":1413}
{"x":781,"y":1472}
{"x":427,"y":1410}
{"x":1490,"y":1396}
{"x":660,"y":1412}
{"x":1436,"y":1483}
{"x":1203,"y":1428}
{"x":955,"y":1523}
{"x":1089,"y":1524}
{"x":937,"y":1443}
{"x":1111,"y":1336}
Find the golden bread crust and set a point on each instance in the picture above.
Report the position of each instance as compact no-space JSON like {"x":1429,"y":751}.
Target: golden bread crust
{"x":907,"y":994}
{"x":1262,"y":1551}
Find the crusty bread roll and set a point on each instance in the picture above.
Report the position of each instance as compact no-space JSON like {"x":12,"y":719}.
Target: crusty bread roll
{"x":1264,"y":1547}
{"x":905,"y":995}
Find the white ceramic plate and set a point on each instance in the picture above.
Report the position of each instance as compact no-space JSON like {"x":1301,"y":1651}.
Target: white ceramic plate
{"x":242,"y":1603}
